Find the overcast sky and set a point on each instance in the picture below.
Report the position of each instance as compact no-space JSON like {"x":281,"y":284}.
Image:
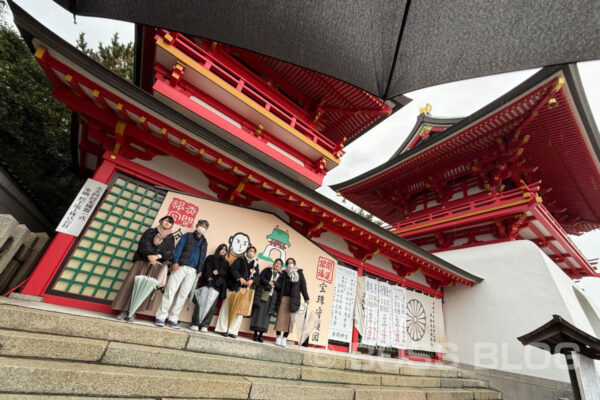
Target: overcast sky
{"x":457,"y":99}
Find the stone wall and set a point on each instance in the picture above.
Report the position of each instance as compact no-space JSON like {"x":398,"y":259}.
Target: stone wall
{"x":19,"y":251}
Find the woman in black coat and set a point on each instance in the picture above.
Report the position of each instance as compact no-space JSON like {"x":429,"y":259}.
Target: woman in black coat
{"x":289,"y":286}
{"x":155,"y":246}
{"x":243,"y":273}
{"x":263,"y":295}
{"x":215,"y":270}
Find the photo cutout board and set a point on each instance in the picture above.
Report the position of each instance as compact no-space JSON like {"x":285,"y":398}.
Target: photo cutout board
{"x":239,"y":227}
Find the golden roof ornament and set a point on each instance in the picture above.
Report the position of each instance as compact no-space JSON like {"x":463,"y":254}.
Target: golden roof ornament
{"x":425,"y":110}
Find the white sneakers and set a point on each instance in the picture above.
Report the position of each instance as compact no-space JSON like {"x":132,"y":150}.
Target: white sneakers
{"x":194,"y":328}
{"x":281,"y":341}
{"x":204,"y":329}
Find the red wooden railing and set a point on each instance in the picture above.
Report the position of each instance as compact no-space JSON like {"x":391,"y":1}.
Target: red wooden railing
{"x":258,"y":93}
{"x":499,"y":199}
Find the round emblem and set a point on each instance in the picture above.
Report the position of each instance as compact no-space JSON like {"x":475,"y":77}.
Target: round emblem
{"x":416,"y":320}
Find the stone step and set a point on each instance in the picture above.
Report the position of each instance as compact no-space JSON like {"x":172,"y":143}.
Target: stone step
{"x":33,"y":333}
{"x":276,"y":389}
{"x":217,"y":344}
{"x":33,"y":376}
{"x":485,"y":394}
{"x":26,"y":344}
{"x":5,"y":396}
{"x":67,"y":378}
{"x":388,"y":393}
{"x":125,"y":354}
{"x":144,"y":333}
{"x":38,"y":321}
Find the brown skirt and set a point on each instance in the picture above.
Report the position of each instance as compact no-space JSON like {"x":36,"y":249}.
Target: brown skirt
{"x":285,"y":320}
{"x":123,"y":297}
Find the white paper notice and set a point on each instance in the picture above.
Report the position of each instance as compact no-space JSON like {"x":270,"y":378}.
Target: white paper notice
{"x":340,"y":326}
{"x":425,"y":323}
{"x":369,"y":336}
{"x":384,"y":312}
{"x":82,"y":207}
{"x":398,"y":317}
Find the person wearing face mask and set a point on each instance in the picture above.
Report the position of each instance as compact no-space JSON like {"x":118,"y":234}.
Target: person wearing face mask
{"x":213,"y":278}
{"x":242,"y":273}
{"x":262,"y":299}
{"x":290,"y":284}
{"x":156,"y":246}
{"x":188,"y":262}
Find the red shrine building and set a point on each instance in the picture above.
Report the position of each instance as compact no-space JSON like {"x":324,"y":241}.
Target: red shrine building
{"x":478,"y":209}
{"x":512,"y":171}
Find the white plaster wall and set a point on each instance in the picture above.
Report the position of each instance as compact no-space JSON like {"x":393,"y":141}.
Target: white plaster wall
{"x":264,"y":206}
{"x":522,"y":289}
{"x":334,"y":241}
{"x":418,"y":277}
{"x":591,"y":309}
{"x":180,"y":171}
{"x":382,"y":262}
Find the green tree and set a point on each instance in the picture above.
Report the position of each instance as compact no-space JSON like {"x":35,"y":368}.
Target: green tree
{"x":116,"y":56}
{"x":364,"y":214}
{"x":34,"y":128}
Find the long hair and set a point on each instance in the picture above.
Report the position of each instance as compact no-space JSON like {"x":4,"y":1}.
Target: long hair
{"x":218,"y":250}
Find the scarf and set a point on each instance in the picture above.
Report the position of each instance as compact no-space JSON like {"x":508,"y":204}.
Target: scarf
{"x":162,"y":233}
{"x":274,"y":276}
{"x":292,"y":272}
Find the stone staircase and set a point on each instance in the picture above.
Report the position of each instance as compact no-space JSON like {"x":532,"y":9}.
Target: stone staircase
{"x":48,"y":352}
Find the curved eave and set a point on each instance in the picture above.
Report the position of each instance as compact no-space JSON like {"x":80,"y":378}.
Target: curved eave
{"x":452,"y":131}
{"x":31,"y":29}
{"x":395,"y":104}
{"x":424,"y":119}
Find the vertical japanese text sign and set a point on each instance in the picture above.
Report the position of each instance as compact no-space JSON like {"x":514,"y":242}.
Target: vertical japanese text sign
{"x":82,"y":207}
{"x":371,"y":303}
{"x":344,"y":292}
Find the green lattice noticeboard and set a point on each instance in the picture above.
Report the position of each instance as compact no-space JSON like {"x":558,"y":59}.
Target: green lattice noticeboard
{"x":100,"y":261}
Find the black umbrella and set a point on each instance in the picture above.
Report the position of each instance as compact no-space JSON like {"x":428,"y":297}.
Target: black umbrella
{"x":386,"y":47}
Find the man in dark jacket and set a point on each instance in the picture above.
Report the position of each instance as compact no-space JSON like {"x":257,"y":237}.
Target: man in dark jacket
{"x":188,"y":262}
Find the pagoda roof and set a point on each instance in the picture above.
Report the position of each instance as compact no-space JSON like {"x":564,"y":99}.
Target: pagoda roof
{"x":559,"y":137}
{"x":424,"y":122}
{"x":89,"y":84}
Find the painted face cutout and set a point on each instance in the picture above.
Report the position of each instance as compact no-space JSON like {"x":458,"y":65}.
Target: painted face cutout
{"x":239,"y":243}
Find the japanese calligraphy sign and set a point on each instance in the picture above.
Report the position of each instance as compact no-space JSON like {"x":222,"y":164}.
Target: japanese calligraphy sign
{"x":340,"y":326}
{"x":240,"y":226}
{"x":371,"y":306}
{"x":325,"y":269}
{"x":398,"y":317}
{"x":424,"y":323}
{"x":384,"y":315}
{"x":82,"y":208}
{"x":183,"y":213}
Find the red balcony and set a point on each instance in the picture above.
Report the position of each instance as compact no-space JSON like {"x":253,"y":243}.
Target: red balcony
{"x":210,"y":85}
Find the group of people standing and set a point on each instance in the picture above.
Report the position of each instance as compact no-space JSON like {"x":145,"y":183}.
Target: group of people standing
{"x":277,"y":291}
